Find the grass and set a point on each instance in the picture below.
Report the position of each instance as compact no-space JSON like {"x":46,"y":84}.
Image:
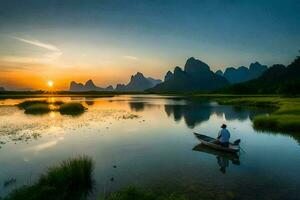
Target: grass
{"x":285,"y":117}
{"x":71,"y":109}
{"x":72,"y":179}
{"x":277,"y":123}
{"x":44,"y":106}
{"x":132,"y":193}
{"x":38,"y":108}
{"x":28,"y":103}
{"x":35,"y":107}
{"x":251,"y":101}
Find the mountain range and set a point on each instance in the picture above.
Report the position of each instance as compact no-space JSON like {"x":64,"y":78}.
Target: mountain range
{"x":196,"y":76}
{"x":2,"y":89}
{"x":137,"y":83}
{"x":276,"y":79}
{"x":242,"y":74}
{"x":88,"y":86}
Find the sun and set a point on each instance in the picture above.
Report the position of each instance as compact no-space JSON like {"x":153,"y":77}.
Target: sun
{"x":50,"y":83}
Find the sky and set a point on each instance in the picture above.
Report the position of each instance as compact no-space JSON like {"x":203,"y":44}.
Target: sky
{"x":109,"y":40}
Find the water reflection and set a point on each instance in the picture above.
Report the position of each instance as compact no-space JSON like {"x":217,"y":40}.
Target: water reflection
{"x":140,"y":137}
{"x":192,"y":113}
{"x":89,"y":101}
{"x":195,"y":112}
{"x":141,"y":106}
{"x":222,"y":157}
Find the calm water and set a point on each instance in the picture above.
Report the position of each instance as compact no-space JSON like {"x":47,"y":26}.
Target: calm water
{"x":150,"y":140}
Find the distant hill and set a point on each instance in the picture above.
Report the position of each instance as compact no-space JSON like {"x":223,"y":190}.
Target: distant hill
{"x":2,"y":89}
{"x":88,"y":86}
{"x":138,"y":82}
{"x":276,"y":79}
{"x":242,"y":74}
{"x":196,"y":76}
{"x":168,"y":75}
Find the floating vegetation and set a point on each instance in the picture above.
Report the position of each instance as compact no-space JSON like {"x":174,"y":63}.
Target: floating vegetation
{"x":37,"y":109}
{"x":72,"y":109}
{"x":72,"y":179}
{"x":53,"y":123}
{"x":28,"y":103}
{"x":130,"y":116}
{"x":44,"y":107}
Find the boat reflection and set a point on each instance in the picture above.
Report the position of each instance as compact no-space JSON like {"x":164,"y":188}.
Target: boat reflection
{"x":223,"y":158}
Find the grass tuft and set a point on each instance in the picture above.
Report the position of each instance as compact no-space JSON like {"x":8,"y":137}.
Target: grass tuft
{"x":37,"y":109}
{"x":26,"y":104}
{"x":71,"y":179}
{"x":44,"y":106}
{"x":71,"y":109}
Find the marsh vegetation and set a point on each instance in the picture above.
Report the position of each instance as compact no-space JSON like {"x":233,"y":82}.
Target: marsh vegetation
{"x":71,"y":109}
{"x":72,"y":179}
{"x":284,"y":118}
{"x":36,"y":107}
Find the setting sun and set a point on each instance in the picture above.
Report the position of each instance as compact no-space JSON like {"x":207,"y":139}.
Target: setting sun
{"x":50,"y":83}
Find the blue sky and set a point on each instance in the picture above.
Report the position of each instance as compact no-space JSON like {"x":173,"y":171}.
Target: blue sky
{"x":112,"y":39}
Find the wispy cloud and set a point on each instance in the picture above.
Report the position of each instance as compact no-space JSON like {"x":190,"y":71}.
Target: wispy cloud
{"x":38,"y":44}
{"x":52,"y":54}
{"x":131,"y":57}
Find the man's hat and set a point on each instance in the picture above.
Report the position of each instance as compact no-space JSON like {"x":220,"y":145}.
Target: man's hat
{"x":223,"y":126}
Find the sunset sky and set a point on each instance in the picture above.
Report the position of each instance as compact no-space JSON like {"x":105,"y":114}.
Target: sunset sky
{"x":108,"y":40}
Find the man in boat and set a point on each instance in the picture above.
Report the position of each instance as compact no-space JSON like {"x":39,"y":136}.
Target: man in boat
{"x":223,"y":136}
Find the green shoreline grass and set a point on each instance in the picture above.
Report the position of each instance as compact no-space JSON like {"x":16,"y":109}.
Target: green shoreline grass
{"x":285,"y":117}
{"x":72,"y":179}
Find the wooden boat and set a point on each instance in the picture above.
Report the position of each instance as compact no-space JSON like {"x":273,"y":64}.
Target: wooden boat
{"x":211,"y":142}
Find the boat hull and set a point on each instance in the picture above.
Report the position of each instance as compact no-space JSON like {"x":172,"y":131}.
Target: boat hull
{"x":211,"y":142}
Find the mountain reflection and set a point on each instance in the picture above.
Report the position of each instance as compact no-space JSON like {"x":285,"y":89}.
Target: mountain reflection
{"x":140,"y":106}
{"x":194,"y":113}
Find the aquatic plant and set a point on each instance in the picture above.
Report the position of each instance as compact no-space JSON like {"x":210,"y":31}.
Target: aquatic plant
{"x":71,"y":108}
{"x":44,"y":106}
{"x":133,"y":193}
{"x":72,"y":179}
{"x":28,"y":103}
{"x":39,"y":108}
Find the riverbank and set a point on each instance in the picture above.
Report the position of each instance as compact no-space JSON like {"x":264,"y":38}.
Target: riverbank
{"x":285,"y":117}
